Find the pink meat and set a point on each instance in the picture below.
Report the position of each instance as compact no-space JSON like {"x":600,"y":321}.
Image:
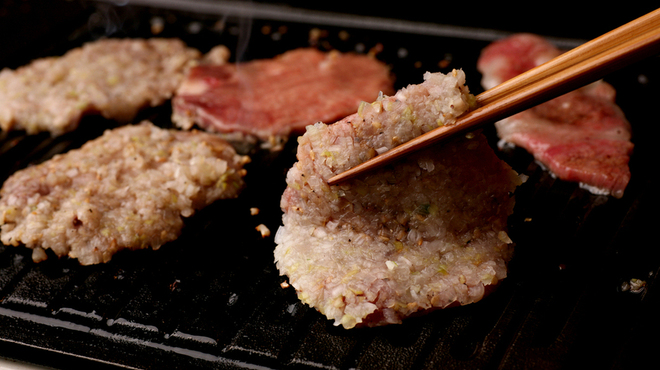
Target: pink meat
{"x":582,"y":136}
{"x":275,"y":97}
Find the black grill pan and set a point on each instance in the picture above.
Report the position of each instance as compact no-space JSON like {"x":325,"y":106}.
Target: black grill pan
{"x":212,"y":299}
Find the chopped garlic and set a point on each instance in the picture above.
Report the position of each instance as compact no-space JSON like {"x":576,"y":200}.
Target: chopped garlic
{"x":263,"y":230}
{"x":503,"y":236}
{"x":348,"y":321}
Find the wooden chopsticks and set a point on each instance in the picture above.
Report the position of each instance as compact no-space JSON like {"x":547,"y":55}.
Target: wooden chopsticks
{"x":580,"y":66}
{"x":635,"y":28}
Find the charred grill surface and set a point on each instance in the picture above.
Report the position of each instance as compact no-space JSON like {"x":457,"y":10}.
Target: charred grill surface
{"x":581,"y":285}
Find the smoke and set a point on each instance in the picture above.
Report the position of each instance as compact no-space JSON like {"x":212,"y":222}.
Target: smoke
{"x":110,"y":19}
{"x":244,"y":33}
{"x":104,"y":21}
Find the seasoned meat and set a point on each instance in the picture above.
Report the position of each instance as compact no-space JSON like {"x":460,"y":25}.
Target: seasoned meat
{"x":507,"y":58}
{"x":582,"y":136}
{"x":111,"y":77}
{"x":269,"y":99}
{"x":426,"y":232}
{"x":128,"y":189}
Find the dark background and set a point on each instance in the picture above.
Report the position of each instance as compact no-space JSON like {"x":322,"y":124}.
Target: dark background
{"x":212,"y":299}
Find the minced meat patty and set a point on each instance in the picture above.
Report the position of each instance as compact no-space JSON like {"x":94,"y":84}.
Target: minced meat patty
{"x":128,"y":189}
{"x":111,"y":77}
{"x":426,"y":232}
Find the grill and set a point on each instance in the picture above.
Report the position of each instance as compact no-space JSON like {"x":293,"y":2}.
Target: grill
{"x":212,"y":299}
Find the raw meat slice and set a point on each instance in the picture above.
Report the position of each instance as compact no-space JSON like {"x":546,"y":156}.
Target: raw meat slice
{"x":268,"y":99}
{"x":582,"y":136}
{"x":509,"y":57}
{"x":112,"y":77}
{"x":426,"y":232}
{"x":128,"y":189}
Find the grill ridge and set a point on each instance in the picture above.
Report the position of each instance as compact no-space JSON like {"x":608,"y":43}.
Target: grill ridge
{"x":212,"y":299}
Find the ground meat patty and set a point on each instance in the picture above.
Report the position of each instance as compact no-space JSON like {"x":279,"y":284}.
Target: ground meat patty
{"x":268,"y":99}
{"x":111,"y":77}
{"x":581,"y":136}
{"x":426,"y":232}
{"x":127,"y":189}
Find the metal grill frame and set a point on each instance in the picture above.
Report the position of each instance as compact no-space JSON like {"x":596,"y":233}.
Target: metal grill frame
{"x":212,"y":299}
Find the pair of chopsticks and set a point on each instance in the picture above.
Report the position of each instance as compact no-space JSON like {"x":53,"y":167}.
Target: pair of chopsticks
{"x":580,"y":66}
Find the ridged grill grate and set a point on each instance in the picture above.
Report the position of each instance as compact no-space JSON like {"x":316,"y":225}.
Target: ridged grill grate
{"x":212,"y":299}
